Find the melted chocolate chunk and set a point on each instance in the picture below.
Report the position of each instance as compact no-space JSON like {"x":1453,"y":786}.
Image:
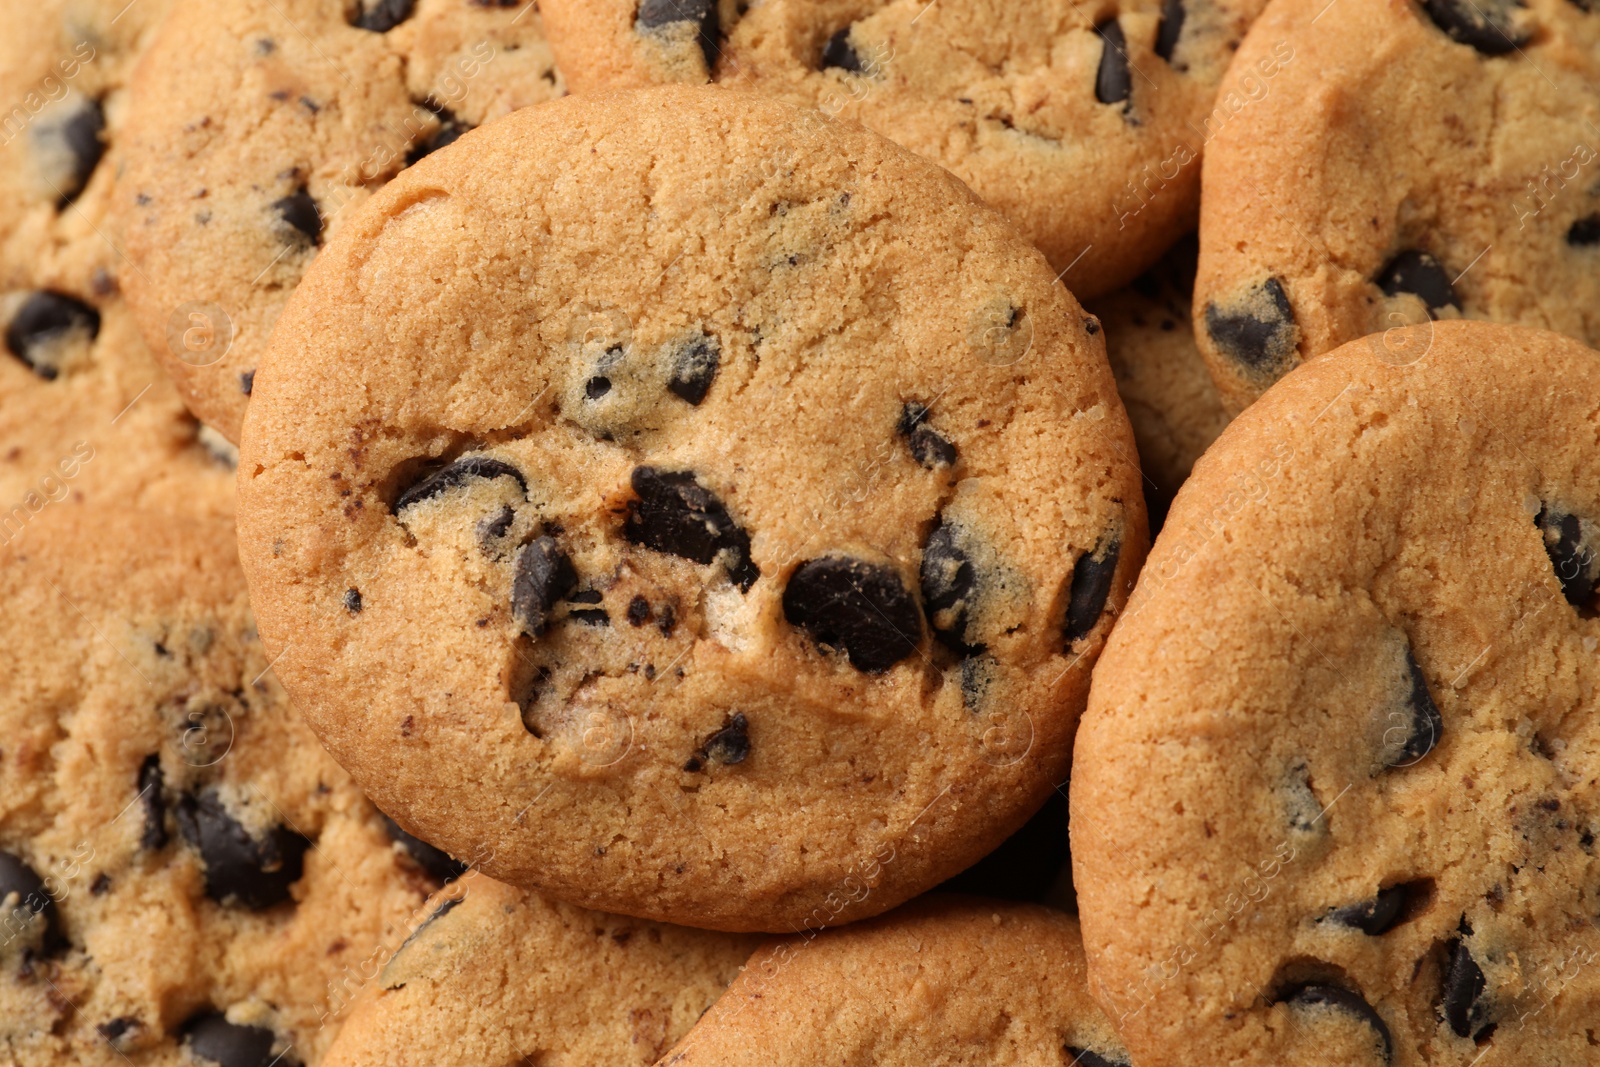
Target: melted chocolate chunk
{"x":1091,"y":588}
{"x":1461,"y":995}
{"x":1483,"y":24}
{"x":1585,"y":232}
{"x":23,"y":890}
{"x":455,"y":474}
{"x":541,"y":576}
{"x":591,"y":616}
{"x":655,"y":13}
{"x":694,"y":367}
{"x":1259,"y":331}
{"x":1427,"y":725}
{"x":729,"y":744}
{"x":638,"y":611}
{"x":1574,"y":561}
{"x":1170,"y":28}
{"x":861,"y":608}
{"x":440,"y":865}
{"x":949,"y":584}
{"x":211,"y":1038}
{"x":840,"y":54}
{"x":301,"y":215}
{"x":928,"y":446}
{"x":384,"y":15}
{"x":1113,"y":82}
{"x":153,"y":803}
{"x":45,"y":319}
{"x":352,"y":601}
{"x":1341,"y":1000}
{"x":1082,"y":1057}
{"x":1380,"y":914}
{"x":82,"y":136}
{"x":1421,"y":275}
{"x":447,"y":133}
{"x":251,"y":871}
{"x":675,"y":514}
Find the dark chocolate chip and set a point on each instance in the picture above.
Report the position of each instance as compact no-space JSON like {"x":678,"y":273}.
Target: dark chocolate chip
{"x":1585,"y":232}
{"x":674,"y":513}
{"x":1460,"y":997}
{"x":668,"y":621}
{"x":1082,"y":1057}
{"x":638,"y":611}
{"x":694,"y":367}
{"x":1483,"y":24}
{"x":541,"y":576}
{"x":586,"y":596}
{"x":654,"y":13}
{"x":1573,"y":560}
{"x":491,"y":530}
{"x":352,"y":601}
{"x":458,"y":473}
{"x":597,"y":387}
{"x":1260,"y":331}
{"x":729,"y":744}
{"x":153,"y":803}
{"x":591,"y":616}
{"x":859,"y":607}
{"x":213,"y":1039}
{"x":1313,"y":995}
{"x":83,"y":136}
{"x":948,"y":584}
{"x":438,"y":863}
{"x":300,"y":214}
{"x":1427,"y":725}
{"x":840,"y":54}
{"x":255,"y":872}
{"x":447,"y":133}
{"x":1113,"y":82}
{"x":928,"y":446}
{"x":247,"y":382}
{"x":1378,"y":915}
{"x":1092,"y":576}
{"x":385,"y":15}
{"x":44,"y":319}
{"x":22,"y":889}
{"x":114,"y":1030}
{"x":1170,"y":28}
{"x":1421,"y":275}
{"x":975,"y":679}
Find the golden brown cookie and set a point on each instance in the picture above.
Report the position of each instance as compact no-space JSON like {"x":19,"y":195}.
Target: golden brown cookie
{"x":84,"y":410}
{"x":1083,"y":123}
{"x":181,"y":866}
{"x":945,"y":980}
{"x":708,"y":510}
{"x":1409,"y":161}
{"x":259,"y":125}
{"x":501,"y":975}
{"x":1336,"y":796}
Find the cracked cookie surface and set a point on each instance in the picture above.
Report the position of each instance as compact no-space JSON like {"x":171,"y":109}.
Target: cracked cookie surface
{"x":1083,"y":123}
{"x":258,"y":125}
{"x":1416,"y":161}
{"x":1346,"y":812}
{"x":691,"y":657}
{"x":184,"y":873}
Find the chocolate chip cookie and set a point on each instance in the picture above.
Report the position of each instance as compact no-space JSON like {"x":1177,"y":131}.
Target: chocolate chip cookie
{"x":708,"y":510}
{"x":1336,"y":795}
{"x":1171,"y":399}
{"x":501,"y":975}
{"x":259,"y":124}
{"x":84,"y":409}
{"x":181,"y":866}
{"x":944,"y":980}
{"x":1083,"y":123}
{"x":1419,"y":160}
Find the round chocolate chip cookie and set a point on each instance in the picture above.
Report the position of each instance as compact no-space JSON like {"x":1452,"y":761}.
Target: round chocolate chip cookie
{"x":1171,"y":400}
{"x":1346,"y":811}
{"x":181,"y":866}
{"x":1082,"y":122}
{"x":1418,"y":160}
{"x":946,"y":980}
{"x":501,"y":975}
{"x":259,"y":124}
{"x":704,"y":510}
{"x":84,"y":409}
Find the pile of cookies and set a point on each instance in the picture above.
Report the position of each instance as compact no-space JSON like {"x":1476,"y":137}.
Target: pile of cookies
{"x":600,"y":532}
